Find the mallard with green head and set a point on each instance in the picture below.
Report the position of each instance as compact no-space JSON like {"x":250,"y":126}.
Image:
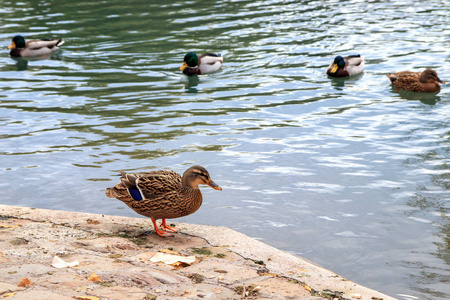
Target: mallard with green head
{"x":426,"y":81}
{"x":30,"y":48}
{"x":346,"y":66}
{"x":203,"y":64}
{"x":162,"y":194}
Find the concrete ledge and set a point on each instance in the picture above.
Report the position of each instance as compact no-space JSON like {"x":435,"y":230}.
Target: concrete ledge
{"x":78,"y":235}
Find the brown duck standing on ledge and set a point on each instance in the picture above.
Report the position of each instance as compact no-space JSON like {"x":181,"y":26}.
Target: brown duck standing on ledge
{"x":162,"y":194}
{"x":426,"y":81}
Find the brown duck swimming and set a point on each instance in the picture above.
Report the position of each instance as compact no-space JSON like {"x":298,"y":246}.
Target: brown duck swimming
{"x":162,"y":194}
{"x":426,"y":81}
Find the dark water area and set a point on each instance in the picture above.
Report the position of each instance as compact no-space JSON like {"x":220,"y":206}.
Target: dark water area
{"x":348,"y":173}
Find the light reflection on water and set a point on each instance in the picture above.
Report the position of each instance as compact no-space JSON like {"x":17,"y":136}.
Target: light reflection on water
{"x":346,"y":172}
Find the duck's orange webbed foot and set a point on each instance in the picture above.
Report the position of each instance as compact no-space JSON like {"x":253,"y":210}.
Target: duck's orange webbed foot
{"x":165,"y":226}
{"x":160,"y":232}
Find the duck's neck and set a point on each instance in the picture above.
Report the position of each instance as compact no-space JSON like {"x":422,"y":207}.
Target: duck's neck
{"x":193,"y":198}
{"x":192,"y":71}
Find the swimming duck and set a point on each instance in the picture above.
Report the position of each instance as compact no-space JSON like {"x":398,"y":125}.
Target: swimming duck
{"x":426,"y":81}
{"x":162,"y":194}
{"x":20,"y":48}
{"x":346,"y":66}
{"x":203,"y":64}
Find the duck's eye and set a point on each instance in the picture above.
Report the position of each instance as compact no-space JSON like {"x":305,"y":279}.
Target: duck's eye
{"x":203,"y":176}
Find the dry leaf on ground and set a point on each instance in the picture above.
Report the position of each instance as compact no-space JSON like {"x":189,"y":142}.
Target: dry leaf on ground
{"x":92,"y":222}
{"x":9,"y":226}
{"x":24,"y":282}
{"x":94,"y":277}
{"x":180,"y":265}
{"x":8,"y":295}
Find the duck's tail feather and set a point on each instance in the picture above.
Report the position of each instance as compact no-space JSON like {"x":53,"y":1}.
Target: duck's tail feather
{"x":59,"y":43}
{"x":110,"y":193}
{"x":392,"y":77}
{"x":129,"y":180}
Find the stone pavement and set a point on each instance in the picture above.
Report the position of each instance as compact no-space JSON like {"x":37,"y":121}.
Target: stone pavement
{"x":114,"y":258}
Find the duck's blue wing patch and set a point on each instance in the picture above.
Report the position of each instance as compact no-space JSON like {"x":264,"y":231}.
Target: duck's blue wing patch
{"x":135,"y":193}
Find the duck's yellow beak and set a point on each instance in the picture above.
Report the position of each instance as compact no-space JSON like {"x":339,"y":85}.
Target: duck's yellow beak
{"x":13,"y":45}
{"x":335,"y":68}
{"x":184,"y":66}
{"x":213,"y":185}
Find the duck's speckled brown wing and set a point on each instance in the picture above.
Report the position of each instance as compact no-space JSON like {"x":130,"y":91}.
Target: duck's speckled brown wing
{"x":406,"y":80}
{"x":157,"y":183}
{"x":151,"y":184}
{"x":404,"y":76}
{"x":161,"y":191}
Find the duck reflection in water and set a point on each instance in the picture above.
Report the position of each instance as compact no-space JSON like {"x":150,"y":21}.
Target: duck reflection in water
{"x":425,"y":98}
{"x":339,"y":83}
{"x":21,"y":63}
{"x":191,"y":84}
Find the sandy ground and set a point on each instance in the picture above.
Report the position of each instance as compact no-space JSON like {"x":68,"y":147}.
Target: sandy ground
{"x":116,"y":258}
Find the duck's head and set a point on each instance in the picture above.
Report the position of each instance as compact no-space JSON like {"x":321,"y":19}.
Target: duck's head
{"x":190,"y":60}
{"x":429,"y":76}
{"x":338,"y":63}
{"x":196,"y":175}
{"x":17,"y":42}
